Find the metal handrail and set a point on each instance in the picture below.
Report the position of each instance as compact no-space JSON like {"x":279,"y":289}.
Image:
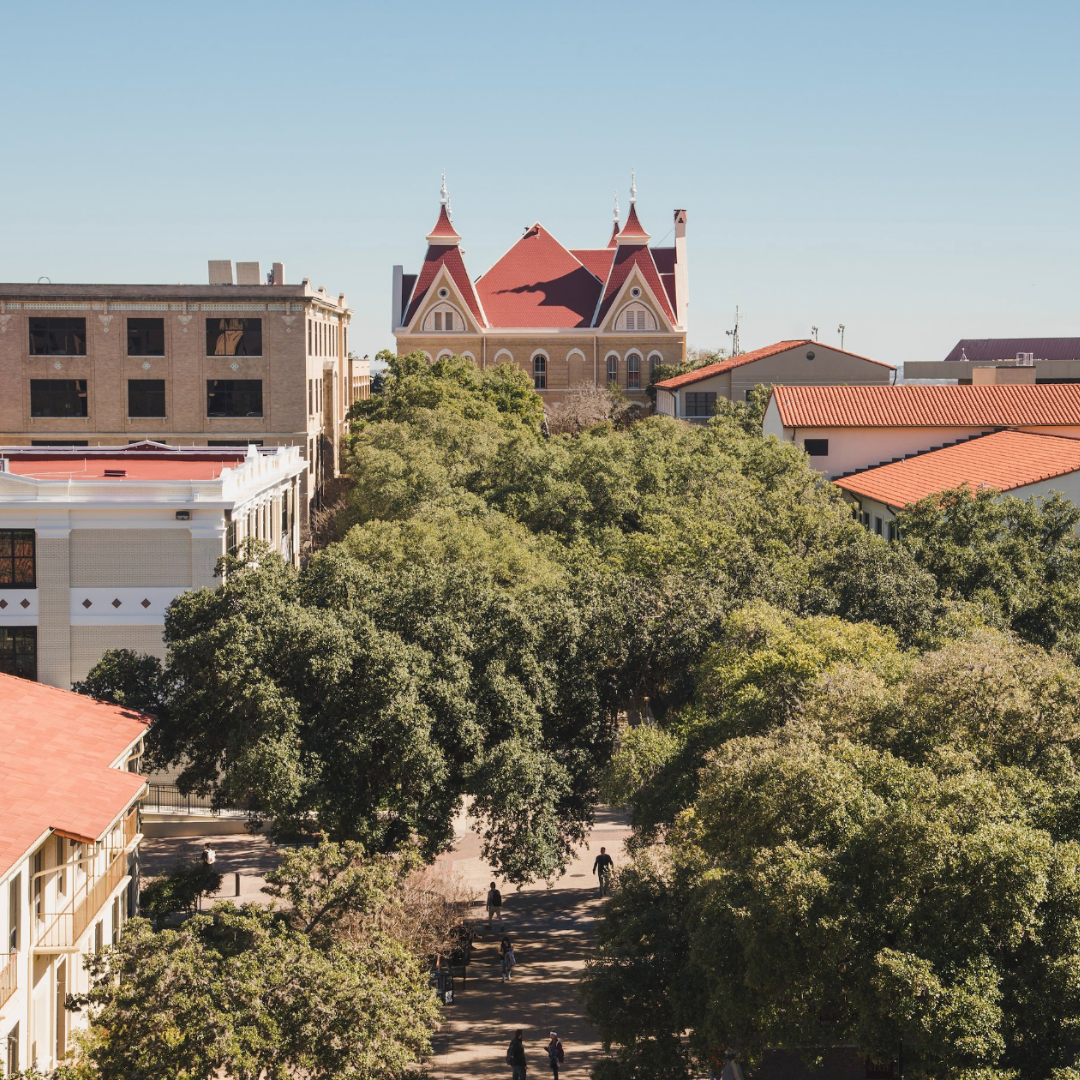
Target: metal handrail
{"x":9,"y":972}
{"x":60,"y":930}
{"x":170,"y":797}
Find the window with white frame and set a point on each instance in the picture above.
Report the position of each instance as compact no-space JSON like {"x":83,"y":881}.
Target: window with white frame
{"x":539,"y":372}
{"x":636,"y":317}
{"x":633,"y":371}
{"x":655,"y":359}
{"x":613,"y":369}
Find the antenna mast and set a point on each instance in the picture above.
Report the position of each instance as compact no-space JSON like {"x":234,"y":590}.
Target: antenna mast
{"x":733,"y":333}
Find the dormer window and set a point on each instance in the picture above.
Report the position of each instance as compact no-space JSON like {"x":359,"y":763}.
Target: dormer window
{"x":636,"y":317}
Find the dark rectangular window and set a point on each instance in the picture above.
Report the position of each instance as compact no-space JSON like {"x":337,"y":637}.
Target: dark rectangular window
{"x":878,"y":526}
{"x":18,"y":651}
{"x":817,"y":447}
{"x":699,"y":404}
{"x":58,"y":337}
{"x":59,"y":442}
{"x":236,"y":444}
{"x":146,"y":397}
{"x":14,"y":911}
{"x":146,"y":337}
{"x":17,"y":562}
{"x":58,"y":397}
{"x":234,"y":397}
{"x":234,"y":337}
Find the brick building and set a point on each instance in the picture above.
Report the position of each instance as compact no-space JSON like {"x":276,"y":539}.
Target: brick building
{"x":95,"y":544}
{"x":206,"y":365}
{"x":569,"y":317}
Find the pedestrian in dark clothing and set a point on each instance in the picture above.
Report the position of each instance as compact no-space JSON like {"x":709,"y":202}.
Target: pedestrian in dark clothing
{"x":494,"y":904}
{"x":602,"y":867}
{"x":506,"y":951}
{"x":515,"y":1056}
{"x":555,"y":1054}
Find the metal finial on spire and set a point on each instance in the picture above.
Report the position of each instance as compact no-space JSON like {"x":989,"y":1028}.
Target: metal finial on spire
{"x":616,"y":208}
{"x":633,"y":186}
{"x":444,"y":198}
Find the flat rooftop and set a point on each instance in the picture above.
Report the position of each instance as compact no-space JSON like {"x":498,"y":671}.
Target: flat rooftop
{"x":132,"y":467}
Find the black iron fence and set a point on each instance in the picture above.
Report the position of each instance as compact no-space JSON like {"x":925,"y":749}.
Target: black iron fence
{"x":169,"y":797}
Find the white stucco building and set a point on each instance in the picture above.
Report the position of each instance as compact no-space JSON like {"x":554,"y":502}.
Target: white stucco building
{"x":69,"y":871}
{"x":1021,"y":463}
{"x":95,"y":543}
{"x":847,"y":428}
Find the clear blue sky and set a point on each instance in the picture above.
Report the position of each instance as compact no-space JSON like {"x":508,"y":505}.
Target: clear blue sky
{"x":909,"y":169}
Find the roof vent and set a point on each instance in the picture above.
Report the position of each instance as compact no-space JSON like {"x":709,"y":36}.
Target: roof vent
{"x":116,"y":472}
{"x":1025,"y":359}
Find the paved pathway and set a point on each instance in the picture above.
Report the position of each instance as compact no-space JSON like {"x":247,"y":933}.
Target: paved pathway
{"x":552,"y":932}
{"x":250,"y":856}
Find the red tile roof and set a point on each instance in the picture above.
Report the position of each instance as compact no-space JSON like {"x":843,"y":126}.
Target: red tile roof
{"x":596,"y":260}
{"x":539,"y":283}
{"x":438,"y":256}
{"x":633,"y":227}
{"x":627,"y":257}
{"x":54,"y":769}
{"x":444,"y":227}
{"x":1046,"y":405}
{"x":1003,"y":460}
{"x":67,"y":467}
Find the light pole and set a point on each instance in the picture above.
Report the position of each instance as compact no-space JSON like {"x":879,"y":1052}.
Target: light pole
{"x":814,"y":332}
{"x":840,"y":330}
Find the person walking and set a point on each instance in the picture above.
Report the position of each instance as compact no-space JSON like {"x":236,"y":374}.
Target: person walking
{"x":506,"y":951}
{"x":494,"y":904}
{"x":555,"y":1054}
{"x":515,"y":1056}
{"x":602,"y":867}
{"x":209,"y":855}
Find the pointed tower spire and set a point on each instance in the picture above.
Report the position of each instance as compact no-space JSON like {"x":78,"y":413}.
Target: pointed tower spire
{"x":632,"y":232}
{"x":615,"y":226}
{"x":633,"y":186}
{"x":444,"y":232}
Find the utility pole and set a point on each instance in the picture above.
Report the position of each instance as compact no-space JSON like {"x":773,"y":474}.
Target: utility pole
{"x":734,"y":334}
{"x":840,"y":330}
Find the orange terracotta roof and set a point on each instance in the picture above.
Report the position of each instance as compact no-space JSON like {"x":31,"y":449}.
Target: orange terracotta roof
{"x":1046,"y":405}
{"x":1003,"y":460}
{"x":67,"y":467}
{"x":538,"y":282}
{"x":54,"y":768}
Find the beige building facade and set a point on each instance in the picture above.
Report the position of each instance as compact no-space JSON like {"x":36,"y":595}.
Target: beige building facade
{"x":95,"y":544}
{"x":570,"y":318}
{"x":204,"y":365}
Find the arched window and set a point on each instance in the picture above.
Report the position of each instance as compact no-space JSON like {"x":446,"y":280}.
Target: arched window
{"x":613,"y":369}
{"x":539,"y":372}
{"x":635,"y":317}
{"x":633,"y":371}
{"x":654,"y":359}
{"x":442,"y":319}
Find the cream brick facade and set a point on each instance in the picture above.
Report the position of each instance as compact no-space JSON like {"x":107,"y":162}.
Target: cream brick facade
{"x":111,"y":555}
{"x":308,"y":378}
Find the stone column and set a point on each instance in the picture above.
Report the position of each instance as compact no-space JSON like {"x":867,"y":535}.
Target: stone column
{"x":54,"y":604}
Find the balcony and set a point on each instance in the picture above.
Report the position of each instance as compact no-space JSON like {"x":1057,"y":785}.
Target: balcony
{"x":8,"y":976}
{"x":61,"y":931}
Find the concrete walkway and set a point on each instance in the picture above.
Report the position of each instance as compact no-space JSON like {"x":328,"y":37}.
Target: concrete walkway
{"x":552,"y":932}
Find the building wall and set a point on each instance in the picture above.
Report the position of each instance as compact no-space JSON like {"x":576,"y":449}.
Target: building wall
{"x":302,"y":333}
{"x":792,"y":368}
{"x":574,"y":359}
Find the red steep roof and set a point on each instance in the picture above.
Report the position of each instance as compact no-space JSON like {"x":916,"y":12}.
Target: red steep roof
{"x":436,"y":258}
{"x":538,"y":282}
{"x":596,"y":260}
{"x":444,"y":227}
{"x":1046,"y":405}
{"x":709,"y":370}
{"x":628,"y":256}
{"x":633,"y":227}
{"x":54,"y":769}
{"x":1003,"y":460}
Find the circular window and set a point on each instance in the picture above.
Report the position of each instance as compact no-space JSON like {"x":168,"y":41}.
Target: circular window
{"x":810,"y":354}
{"x":444,"y":293}
{"x":635,"y":292}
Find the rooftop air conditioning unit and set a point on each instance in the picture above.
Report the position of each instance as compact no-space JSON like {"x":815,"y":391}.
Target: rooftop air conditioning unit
{"x":1025,"y":359}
